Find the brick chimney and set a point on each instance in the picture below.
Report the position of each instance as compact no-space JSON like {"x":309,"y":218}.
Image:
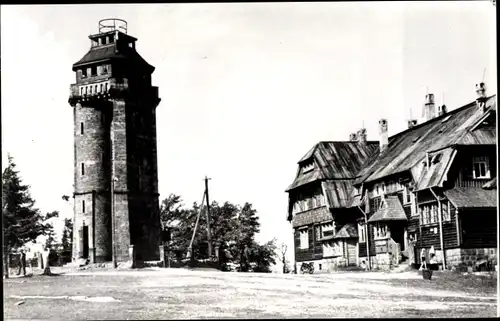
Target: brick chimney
{"x":481,"y":96}
{"x":362,"y":136}
{"x":442,"y":110}
{"x":412,"y":123}
{"x":384,"y":136}
{"x":429,"y":107}
{"x":353,"y":137}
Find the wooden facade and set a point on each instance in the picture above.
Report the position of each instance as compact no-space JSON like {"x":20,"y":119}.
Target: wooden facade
{"x":426,"y":190}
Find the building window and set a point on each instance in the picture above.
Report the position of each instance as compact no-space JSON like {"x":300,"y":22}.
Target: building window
{"x":304,"y":239}
{"x":83,"y":207}
{"x":380,"y":230}
{"x":446,"y":211}
{"x":362,"y":233}
{"x":83,"y":169}
{"x":319,"y":266}
{"x":106,"y":87}
{"x":332,"y":248}
{"x":429,"y":213}
{"x":406,"y":194}
{"x":481,"y":167}
{"x":93,"y":71}
{"x":375,"y":204}
{"x":104,"y":69}
{"x":81,"y":128}
{"x":84,"y":73}
{"x":327,"y":229}
{"x":308,"y":167}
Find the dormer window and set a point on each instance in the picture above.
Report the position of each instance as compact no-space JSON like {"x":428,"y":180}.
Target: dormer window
{"x":308,"y":167}
{"x":481,"y":167}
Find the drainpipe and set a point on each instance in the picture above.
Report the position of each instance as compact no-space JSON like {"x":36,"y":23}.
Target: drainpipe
{"x":440,"y":219}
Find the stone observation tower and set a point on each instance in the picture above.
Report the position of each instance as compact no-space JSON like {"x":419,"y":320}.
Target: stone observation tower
{"x":115,"y":159}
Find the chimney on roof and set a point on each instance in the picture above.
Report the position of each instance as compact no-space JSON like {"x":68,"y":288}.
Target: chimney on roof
{"x":384,"y":136}
{"x":412,"y":123}
{"x":361,"y":135}
{"x":481,"y":96}
{"x":352,"y":137}
{"x":429,"y":107}
{"x":442,"y":110}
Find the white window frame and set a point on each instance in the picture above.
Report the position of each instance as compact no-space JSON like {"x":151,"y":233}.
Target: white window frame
{"x":380,"y":230}
{"x":481,"y":160}
{"x":429,"y":213}
{"x":326,"y":228}
{"x":361,"y":233}
{"x":447,"y":217}
{"x":304,"y":238}
{"x":308,"y":167}
{"x":406,"y":194}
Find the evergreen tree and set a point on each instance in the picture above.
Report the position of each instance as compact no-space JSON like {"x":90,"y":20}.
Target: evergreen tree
{"x":67,"y":236}
{"x":22,"y":222}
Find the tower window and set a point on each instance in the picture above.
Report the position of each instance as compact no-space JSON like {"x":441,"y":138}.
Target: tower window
{"x":106,"y":87}
{"x":83,"y":206}
{"x":105,"y":69}
{"x":84,"y":73}
{"x":93,"y":71}
{"x":81,"y":128}
{"x":95,"y":89}
{"x":83,"y":169}
{"x":100,"y":88}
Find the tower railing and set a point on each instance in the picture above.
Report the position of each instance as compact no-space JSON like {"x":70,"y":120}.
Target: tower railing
{"x":112,"y":24}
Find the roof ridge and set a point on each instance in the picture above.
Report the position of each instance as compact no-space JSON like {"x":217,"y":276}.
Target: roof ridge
{"x":431,"y":121}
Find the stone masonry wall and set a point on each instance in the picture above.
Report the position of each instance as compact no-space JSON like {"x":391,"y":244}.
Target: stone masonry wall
{"x":325,"y":265}
{"x":119,"y":153}
{"x":380,"y":261}
{"x":456,"y":257}
{"x":91,"y":142}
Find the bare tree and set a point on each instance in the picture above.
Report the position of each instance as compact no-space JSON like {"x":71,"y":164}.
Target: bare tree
{"x":282,"y":253}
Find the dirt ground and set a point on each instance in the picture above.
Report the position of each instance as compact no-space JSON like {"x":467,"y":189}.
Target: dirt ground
{"x":180,"y":293}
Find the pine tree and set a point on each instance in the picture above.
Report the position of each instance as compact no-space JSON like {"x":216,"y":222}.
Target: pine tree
{"x":22,"y":222}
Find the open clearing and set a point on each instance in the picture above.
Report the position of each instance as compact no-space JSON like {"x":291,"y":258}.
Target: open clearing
{"x":180,"y":293}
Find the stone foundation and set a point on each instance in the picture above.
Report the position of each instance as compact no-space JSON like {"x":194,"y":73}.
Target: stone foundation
{"x":380,"y":261}
{"x":456,"y":257}
{"x":327,"y":265}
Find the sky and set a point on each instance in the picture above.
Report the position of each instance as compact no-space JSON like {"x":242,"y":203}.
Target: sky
{"x":247,"y":88}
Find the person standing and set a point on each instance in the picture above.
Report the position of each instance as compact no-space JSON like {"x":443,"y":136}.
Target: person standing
{"x":423,"y":265}
{"x":22,"y":263}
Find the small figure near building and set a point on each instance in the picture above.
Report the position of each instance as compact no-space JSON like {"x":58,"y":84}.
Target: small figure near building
{"x":22,"y":263}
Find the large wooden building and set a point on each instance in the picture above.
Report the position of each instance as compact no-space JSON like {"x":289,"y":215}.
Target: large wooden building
{"x":432,"y":186}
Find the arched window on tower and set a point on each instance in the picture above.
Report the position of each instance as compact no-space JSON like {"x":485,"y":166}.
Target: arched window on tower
{"x":90,"y":90}
{"x":106,"y":87}
{"x":95,"y":89}
{"x":100,"y":88}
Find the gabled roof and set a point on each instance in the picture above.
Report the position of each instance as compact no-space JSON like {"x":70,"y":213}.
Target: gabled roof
{"x":470,"y":197}
{"x":334,"y":160}
{"x":408,"y":148}
{"x":390,"y":210}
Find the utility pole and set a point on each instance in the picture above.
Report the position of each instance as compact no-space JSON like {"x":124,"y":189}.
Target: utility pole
{"x":208,"y":219}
